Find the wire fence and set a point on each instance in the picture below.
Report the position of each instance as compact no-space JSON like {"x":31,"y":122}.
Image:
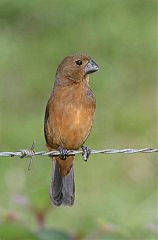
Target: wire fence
{"x":29,"y":153}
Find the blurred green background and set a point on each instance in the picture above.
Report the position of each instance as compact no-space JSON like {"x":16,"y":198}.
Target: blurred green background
{"x":115,"y":194}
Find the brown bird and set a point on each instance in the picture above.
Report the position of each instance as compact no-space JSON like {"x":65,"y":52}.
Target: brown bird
{"x":68,"y":121}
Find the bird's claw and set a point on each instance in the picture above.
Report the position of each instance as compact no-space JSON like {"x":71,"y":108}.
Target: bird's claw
{"x":86,"y":153}
{"x":63,"y":153}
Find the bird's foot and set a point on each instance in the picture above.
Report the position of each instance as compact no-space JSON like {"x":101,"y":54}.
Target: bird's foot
{"x":86,"y":153}
{"x":63,"y":153}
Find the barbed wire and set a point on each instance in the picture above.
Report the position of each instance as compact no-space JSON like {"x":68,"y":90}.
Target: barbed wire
{"x":26,"y":153}
{"x":30,"y":153}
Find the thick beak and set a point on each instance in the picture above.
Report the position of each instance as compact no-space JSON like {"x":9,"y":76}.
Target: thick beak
{"x":91,"y":67}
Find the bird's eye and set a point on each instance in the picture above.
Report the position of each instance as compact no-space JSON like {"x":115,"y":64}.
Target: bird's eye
{"x":79,"y":62}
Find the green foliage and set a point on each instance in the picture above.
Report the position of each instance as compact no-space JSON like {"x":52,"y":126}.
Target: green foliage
{"x":52,"y":234}
{"x":117,"y":190}
{"x":15,"y":232}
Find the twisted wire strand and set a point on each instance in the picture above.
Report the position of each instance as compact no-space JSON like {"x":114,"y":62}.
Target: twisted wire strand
{"x":26,"y":153}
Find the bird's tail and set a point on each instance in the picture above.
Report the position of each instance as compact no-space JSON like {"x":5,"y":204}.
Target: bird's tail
{"x":62,"y":187}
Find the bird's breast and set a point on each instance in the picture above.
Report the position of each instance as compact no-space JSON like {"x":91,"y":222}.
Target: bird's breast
{"x":72,"y":117}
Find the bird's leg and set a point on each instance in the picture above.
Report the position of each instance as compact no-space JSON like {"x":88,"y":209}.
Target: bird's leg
{"x":63,"y":153}
{"x":86,"y":153}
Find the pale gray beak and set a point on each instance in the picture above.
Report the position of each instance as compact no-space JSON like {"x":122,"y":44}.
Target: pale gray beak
{"x":91,"y":67}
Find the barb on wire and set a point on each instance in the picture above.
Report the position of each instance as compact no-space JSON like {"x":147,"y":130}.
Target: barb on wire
{"x":26,"y":153}
{"x":31,"y":151}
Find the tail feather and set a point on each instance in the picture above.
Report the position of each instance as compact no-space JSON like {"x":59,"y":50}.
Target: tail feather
{"x":62,"y":187}
{"x":68,"y":189}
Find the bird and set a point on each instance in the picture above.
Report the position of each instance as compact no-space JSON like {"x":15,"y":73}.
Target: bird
{"x":69,"y":117}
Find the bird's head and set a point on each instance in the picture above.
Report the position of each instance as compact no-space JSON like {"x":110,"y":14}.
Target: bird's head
{"x":76,"y":68}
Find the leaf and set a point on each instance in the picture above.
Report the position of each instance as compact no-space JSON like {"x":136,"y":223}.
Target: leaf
{"x":53,"y":235}
{"x":14,"y":231}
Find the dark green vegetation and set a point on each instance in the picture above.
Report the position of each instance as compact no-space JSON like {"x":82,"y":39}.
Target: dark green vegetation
{"x":115,"y":194}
